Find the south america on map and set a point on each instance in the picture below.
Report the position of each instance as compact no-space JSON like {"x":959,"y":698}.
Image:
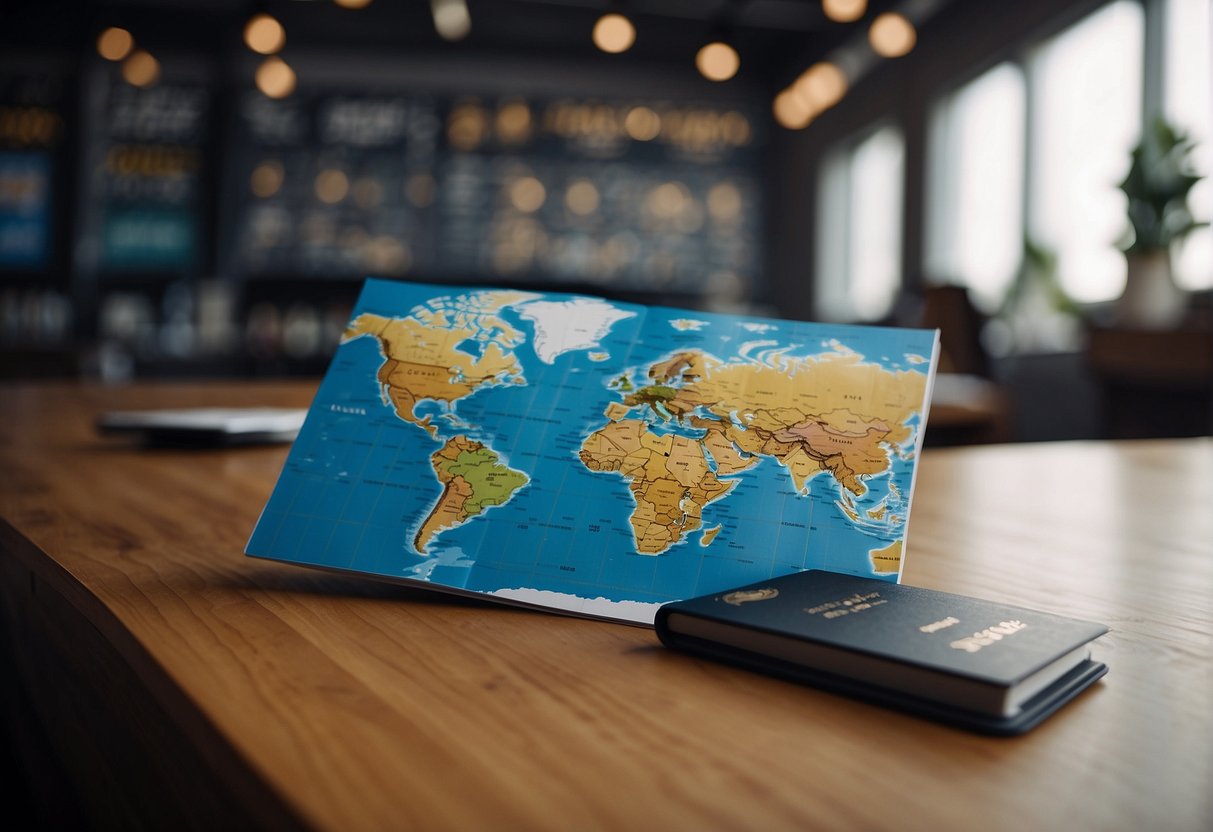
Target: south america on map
{"x":596,"y":457}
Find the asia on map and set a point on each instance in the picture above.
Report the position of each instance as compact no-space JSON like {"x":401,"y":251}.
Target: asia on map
{"x":600,"y":458}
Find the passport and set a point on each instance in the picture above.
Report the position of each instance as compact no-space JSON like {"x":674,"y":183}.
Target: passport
{"x":969,"y":662}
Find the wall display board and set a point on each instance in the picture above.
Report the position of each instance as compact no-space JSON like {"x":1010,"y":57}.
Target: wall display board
{"x":31,"y":134}
{"x":332,"y":186}
{"x":25,"y":209}
{"x":644,"y":196}
{"x":144,"y":176}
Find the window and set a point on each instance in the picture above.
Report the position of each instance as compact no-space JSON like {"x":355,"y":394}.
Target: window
{"x":859,"y":228}
{"x":1086,"y":115}
{"x":1031,"y":151}
{"x":1188,"y":102}
{"x":975,"y":172}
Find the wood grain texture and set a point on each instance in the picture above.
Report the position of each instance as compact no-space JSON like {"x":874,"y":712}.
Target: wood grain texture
{"x":338,"y":703}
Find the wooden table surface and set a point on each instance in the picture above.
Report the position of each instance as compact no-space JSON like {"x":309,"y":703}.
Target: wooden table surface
{"x":179,"y":682}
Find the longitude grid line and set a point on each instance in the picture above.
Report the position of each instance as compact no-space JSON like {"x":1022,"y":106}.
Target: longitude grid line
{"x":289,"y":511}
{"x":379,"y":494}
{"x":563,"y":479}
{"x":534,"y":392}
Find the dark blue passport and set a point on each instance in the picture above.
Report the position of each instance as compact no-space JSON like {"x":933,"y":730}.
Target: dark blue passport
{"x":973,"y":663}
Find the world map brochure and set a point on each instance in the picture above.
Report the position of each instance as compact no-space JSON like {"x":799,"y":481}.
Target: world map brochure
{"x":600,"y":458}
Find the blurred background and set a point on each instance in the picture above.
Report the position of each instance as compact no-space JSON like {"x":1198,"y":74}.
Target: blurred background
{"x":196,"y":188}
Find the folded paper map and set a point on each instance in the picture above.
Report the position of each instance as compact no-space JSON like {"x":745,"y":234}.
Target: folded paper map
{"x":600,"y":458}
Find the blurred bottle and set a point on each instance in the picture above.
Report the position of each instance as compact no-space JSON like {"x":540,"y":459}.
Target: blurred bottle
{"x":216,"y":317}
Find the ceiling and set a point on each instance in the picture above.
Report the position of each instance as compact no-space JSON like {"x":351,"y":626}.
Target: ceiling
{"x":776,"y":39}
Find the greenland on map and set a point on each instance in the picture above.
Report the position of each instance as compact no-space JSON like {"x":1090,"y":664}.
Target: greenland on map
{"x":600,"y":458}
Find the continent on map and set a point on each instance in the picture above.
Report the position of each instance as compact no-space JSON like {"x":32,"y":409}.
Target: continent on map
{"x":668,"y":475}
{"x":473,"y":480}
{"x":443,"y":352}
{"x":828,"y":413}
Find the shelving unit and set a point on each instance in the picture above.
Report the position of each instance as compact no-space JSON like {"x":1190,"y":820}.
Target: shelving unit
{"x":210,"y":228}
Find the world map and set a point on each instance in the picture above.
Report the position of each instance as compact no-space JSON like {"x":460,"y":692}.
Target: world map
{"x":597,"y":457}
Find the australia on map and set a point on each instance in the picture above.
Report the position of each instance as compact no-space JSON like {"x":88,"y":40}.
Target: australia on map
{"x":596,"y":457}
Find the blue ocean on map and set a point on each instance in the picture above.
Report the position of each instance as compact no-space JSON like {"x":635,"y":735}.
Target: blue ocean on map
{"x":360,"y":487}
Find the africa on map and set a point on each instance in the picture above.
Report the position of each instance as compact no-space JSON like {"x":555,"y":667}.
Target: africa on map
{"x":600,"y":458}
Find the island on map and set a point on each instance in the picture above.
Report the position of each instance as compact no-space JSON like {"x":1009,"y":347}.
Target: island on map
{"x":566,"y":326}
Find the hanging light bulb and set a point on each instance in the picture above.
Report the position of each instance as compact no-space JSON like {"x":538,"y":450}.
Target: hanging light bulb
{"x":614,"y":33}
{"x":275,"y":78}
{"x":452,"y":20}
{"x":717,"y":61}
{"x":891,"y":35}
{"x":844,"y":11}
{"x":791,"y":111}
{"x":114,"y":44}
{"x":821,"y":86}
{"x":264,"y":34}
{"x":140,"y":69}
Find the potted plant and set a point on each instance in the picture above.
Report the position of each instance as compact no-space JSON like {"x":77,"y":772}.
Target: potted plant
{"x":1157,"y":185}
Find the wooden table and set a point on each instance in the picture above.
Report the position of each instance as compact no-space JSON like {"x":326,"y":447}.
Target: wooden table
{"x":163,"y":678}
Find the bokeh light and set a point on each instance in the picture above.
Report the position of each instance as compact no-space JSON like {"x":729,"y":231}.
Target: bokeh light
{"x":331,"y":186}
{"x":642,"y":124}
{"x":821,"y":86}
{"x":141,"y":69}
{"x":114,"y":44}
{"x":724,"y":202}
{"x":844,"y":11}
{"x":614,"y":33}
{"x":452,"y":20}
{"x":891,"y":35}
{"x":467,"y":126}
{"x":717,"y":61}
{"x":791,"y":111}
{"x":527,"y":194}
{"x":267,"y":179}
{"x":264,"y":34}
{"x":581,"y":197}
{"x":514,"y":122}
{"x":275,"y":78}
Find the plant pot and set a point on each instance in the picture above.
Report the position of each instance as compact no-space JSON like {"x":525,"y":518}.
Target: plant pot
{"x":1151,"y":300}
